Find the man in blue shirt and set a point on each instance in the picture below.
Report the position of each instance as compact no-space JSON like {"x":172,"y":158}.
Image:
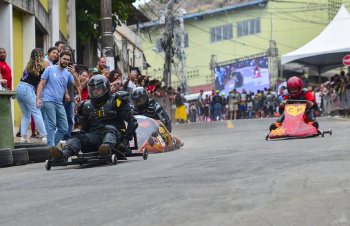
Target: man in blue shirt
{"x":50,"y":94}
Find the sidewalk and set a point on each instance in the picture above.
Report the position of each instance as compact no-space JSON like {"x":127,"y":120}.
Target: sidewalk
{"x":29,"y":133}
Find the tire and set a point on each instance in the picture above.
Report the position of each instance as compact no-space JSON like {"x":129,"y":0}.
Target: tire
{"x":145,"y":154}
{"x":20,"y":156}
{"x":6,"y":158}
{"x":114,"y":159}
{"x":38,"y":154}
{"x":30,"y":145}
{"x":47,"y":165}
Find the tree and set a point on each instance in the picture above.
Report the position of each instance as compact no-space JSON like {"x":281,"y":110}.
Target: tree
{"x":88,"y":13}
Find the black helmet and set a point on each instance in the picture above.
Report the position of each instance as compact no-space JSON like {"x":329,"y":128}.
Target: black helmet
{"x":139,"y":98}
{"x":99,"y":89}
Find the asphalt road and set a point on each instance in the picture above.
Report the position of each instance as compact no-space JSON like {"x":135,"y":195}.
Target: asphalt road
{"x":226,"y":174}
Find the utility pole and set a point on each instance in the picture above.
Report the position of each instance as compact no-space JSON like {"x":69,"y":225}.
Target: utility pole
{"x":212,"y":66}
{"x":273,"y":68}
{"x":182,"y":52}
{"x":168,"y":41}
{"x":107,"y":33}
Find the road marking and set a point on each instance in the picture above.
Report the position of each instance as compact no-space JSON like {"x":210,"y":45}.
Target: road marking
{"x":229,"y":124}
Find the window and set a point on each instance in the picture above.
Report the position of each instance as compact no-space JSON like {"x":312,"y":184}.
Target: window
{"x":221,"y":33}
{"x":248,"y":27}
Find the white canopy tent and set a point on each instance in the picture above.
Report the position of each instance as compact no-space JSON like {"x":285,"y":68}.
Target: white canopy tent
{"x":327,"y":50}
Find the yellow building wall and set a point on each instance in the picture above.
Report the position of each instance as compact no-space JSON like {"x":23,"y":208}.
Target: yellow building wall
{"x":17,"y":59}
{"x":45,"y":4}
{"x":63,"y":17}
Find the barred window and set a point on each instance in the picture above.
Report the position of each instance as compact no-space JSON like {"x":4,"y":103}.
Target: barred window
{"x":248,"y":27}
{"x":221,"y":33}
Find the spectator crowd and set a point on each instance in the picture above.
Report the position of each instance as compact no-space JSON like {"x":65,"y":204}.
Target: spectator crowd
{"x":52,"y":85}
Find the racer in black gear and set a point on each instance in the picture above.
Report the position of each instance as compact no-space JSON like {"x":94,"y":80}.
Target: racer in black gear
{"x":103,"y":124}
{"x":150,"y":108}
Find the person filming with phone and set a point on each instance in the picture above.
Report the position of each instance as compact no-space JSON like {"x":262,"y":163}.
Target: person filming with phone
{"x":49,"y":95}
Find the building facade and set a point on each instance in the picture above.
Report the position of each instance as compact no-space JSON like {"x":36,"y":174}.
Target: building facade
{"x":238,"y":31}
{"x":29,"y":24}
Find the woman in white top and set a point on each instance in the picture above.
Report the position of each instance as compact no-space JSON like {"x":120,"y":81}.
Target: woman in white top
{"x":52,"y":55}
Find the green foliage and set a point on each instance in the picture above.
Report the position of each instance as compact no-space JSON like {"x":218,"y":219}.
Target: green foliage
{"x":88,"y":14}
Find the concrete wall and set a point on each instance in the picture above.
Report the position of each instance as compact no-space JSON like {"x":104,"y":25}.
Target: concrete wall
{"x":134,"y":49}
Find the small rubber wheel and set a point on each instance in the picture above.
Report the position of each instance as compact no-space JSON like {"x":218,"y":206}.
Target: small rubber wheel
{"x":266,"y":136}
{"x":330,"y":131}
{"x":47,"y":165}
{"x":322,"y":133}
{"x":114,"y":159}
{"x":145,"y":154}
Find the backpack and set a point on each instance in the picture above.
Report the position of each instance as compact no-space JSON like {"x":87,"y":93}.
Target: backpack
{"x":178,"y":100}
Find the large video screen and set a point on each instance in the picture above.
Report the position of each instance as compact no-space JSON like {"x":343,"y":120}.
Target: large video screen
{"x":251,"y":75}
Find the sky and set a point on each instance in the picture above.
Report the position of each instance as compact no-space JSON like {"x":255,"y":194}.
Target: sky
{"x":138,"y":2}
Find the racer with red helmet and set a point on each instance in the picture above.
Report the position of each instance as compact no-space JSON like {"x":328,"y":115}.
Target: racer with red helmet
{"x":297,"y":92}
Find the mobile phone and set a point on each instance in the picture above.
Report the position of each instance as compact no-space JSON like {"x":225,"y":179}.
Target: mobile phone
{"x":70,"y":64}
{"x":108,"y":67}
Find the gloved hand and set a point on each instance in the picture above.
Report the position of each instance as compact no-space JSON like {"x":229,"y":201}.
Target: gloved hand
{"x":309,"y":104}
{"x":124,"y":145}
{"x":284,"y":102}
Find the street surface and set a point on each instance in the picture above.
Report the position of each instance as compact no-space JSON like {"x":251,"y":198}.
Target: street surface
{"x":226,"y":174}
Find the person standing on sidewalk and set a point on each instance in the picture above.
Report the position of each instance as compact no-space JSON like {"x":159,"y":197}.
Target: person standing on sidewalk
{"x":49,"y":97}
{"x":217,"y":100}
{"x":5,"y":71}
{"x":26,"y":95}
{"x":235,"y":98}
{"x":200,"y":106}
{"x":180,"y":112}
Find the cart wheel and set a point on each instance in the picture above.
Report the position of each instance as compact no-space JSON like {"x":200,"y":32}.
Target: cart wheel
{"x":266,"y":136}
{"x":322,"y":133}
{"x":145,"y":154}
{"x":47,"y":165}
{"x":114,"y":159}
{"x":330,"y":131}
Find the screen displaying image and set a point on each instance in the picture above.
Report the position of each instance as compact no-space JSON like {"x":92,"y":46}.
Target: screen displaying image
{"x":251,"y":75}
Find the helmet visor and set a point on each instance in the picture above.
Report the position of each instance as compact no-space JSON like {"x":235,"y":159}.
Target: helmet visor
{"x":97,"y":90}
{"x":138,"y":102}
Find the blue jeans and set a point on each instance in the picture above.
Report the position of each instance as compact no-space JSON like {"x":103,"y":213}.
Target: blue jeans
{"x":70,"y":115}
{"x":55,"y":118}
{"x":217,"y":108}
{"x":26,"y":99}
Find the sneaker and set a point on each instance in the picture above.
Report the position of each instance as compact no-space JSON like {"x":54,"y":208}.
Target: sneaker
{"x":24,"y":140}
{"x":63,"y":142}
{"x":44,"y":140}
{"x":18,"y":134}
{"x":103,"y":149}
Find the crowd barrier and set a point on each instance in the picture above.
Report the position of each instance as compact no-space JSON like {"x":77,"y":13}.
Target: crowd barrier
{"x":332,"y":104}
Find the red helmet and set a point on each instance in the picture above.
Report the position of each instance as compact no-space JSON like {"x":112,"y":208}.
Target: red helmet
{"x":292,"y":83}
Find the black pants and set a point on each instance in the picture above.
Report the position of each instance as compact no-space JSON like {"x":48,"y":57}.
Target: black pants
{"x":90,"y":142}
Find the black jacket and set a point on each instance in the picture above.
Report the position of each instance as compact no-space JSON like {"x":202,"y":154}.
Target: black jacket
{"x":114,"y":112}
{"x":155,"y":111}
